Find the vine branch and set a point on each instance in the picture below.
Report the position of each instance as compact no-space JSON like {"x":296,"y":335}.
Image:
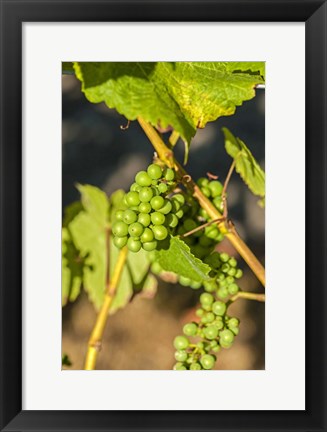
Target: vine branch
{"x":248,"y":296}
{"x":95,"y":341}
{"x":167,"y":156}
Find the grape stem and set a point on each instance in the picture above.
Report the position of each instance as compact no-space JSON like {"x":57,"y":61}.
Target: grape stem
{"x":167,"y":156}
{"x":95,"y":341}
{"x":248,"y":296}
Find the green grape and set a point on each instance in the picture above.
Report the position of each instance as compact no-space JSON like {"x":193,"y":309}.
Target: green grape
{"x":163,"y":188}
{"x":232,"y":262}
{"x":202,"y":181}
{"x":199,"y":312}
{"x":179,"y":198}
{"x":134,"y":187}
{"x":169,"y":174}
{"x":189,"y":224}
{"x":145,"y":207}
{"x":135,"y":229}
{"x":223,"y":283}
{"x":226,"y":338}
{"x":206,"y":191}
{"x":157,"y":202}
{"x":213,"y":344}
{"x":166,"y":208}
{"x":233,"y":289}
{"x":200,"y":345}
{"x":235,"y":330}
{"x":224,"y":257}
{"x":158,"y":219}
{"x":179,"y":366}
{"x":231,"y":271}
{"x":203,"y":214}
{"x":216,"y":349}
{"x":233,"y":322}
{"x":156,"y":268}
{"x":221,"y":277}
{"x":120,"y":229}
{"x":205,"y":241}
{"x":222,"y":292}
{"x":119,"y":215}
{"x":172,"y":220}
{"x":238,"y":274}
{"x":207,"y":361}
{"x":133,"y":245}
{"x":218,"y":203}
{"x":195,"y":366}
{"x":210,"y":286}
{"x":181,"y":342}
{"x":218,"y":323}
{"x":206,"y":299}
{"x":190,"y":329}
{"x":154,"y":171}
{"x":219,"y":308}
{"x":225,"y":268}
{"x":181,"y":356}
{"x":145,"y":195}
{"x":179,"y":214}
{"x":154,"y":182}
{"x":211,"y":332}
{"x":132,"y":199}
{"x":150,"y":246}
{"x":143,"y":179}
{"x":229,"y":280}
{"x":120,"y":242}
{"x":211,"y":232}
{"x":147,"y":235}
{"x":216,"y":188}
{"x":144,"y":219}
{"x":210,"y":317}
{"x":195,"y":285}
{"x":129,"y":217}
{"x":185,"y":281}
{"x":160,"y":232}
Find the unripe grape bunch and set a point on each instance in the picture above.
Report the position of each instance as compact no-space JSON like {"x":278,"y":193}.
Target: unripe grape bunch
{"x":197,"y":348}
{"x":151,"y":213}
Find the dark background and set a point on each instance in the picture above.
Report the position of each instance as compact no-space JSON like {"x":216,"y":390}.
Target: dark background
{"x":96,"y":151}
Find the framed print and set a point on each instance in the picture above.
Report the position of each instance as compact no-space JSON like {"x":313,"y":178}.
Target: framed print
{"x":154,"y":157}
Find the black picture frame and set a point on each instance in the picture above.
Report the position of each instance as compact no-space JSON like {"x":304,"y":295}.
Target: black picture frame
{"x":13,"y":14}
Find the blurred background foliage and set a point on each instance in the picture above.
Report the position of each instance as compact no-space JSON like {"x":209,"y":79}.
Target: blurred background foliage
{"x":95,"y":150}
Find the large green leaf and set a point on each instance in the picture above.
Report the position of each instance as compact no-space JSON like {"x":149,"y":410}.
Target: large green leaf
{"x":95,"y":203}
{"x":184,"y":95}
{"x":176,"y":257}
{"x":245,"y":164}
{"x":72,"y":269}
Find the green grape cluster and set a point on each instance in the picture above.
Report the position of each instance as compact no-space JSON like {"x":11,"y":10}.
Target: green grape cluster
{"x":213,"y":190}
{"x":224,"y":275}
{"x":197,"y":348}
{"x":151,"y":212}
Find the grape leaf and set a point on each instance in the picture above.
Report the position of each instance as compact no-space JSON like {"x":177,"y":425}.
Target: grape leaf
{"x":245,"y":164}
{"x":176,"y":257}
{"x":95,"y":202}
{"x":183,"y":95}
{"x":72,"y":269}
{"x":67,"y":68}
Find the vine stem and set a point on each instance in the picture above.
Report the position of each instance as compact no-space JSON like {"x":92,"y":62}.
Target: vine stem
{"x":167,"y":156}
{"x":248,"y":296}
{"x":95,"y":341}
